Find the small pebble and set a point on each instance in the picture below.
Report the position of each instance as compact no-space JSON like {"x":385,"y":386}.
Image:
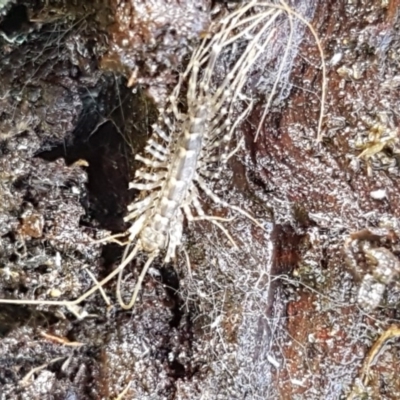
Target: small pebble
{"x":378,"y":194}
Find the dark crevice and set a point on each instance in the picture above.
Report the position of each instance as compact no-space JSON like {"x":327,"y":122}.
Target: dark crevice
{"x":286,"y":255}
{"x":102,"y":142}
{"x":16,"y":20}
{"x":286,"y":249}
{"x":178,"y":370}
{"x":170,"y":281}
{"x":13,"y":316}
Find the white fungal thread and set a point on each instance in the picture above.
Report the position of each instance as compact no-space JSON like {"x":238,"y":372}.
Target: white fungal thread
{"x":184,"y":150}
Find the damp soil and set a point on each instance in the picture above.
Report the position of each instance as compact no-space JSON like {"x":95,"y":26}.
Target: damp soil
{"x":276,"y":319}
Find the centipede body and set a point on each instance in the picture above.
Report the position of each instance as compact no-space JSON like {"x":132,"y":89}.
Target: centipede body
{"x":177,"y":158}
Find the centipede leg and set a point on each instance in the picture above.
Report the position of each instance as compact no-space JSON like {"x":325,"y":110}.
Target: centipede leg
{"x":138,"y":284}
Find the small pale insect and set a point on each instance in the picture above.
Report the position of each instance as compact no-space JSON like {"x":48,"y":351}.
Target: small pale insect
{"x":382,"y":266}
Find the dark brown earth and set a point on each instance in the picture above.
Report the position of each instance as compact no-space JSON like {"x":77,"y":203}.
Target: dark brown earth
{"x":276,"y":319}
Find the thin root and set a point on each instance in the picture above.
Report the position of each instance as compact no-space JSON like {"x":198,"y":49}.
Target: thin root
{"x":124,"y":392}
{"x":28,"y":376}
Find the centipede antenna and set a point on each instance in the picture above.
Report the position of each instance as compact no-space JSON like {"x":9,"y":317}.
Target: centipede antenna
{"x":290,"y":11}
{"x":280,"y":70}
{"x":244,"y":59}
{"x":249,"y":28}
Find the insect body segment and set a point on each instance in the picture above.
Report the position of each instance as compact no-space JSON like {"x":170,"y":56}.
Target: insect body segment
{"x":161,"y":211}
{"x":158,"y":213}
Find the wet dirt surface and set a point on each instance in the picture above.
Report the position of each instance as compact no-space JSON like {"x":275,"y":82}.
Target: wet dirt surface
{"x":149,"y":40}
{"x":326,"y":333}
{"x":278,"y":318}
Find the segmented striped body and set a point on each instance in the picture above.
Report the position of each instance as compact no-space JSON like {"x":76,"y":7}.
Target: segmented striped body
{"x":166,"y":185}
{"x":160,"y":224}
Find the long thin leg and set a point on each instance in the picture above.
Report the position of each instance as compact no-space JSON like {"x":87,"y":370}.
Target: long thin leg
{"x":85,"y":295}
{"x":218,"y":200}
{"x":283,"y":64}
{"x":101,"y":290}
{"x":137,"y":287}
{"x":213,"y":221}
{"x":188,"y":264}
{"x":111,"y":238}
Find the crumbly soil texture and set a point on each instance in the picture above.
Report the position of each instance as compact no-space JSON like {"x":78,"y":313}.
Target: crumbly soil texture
{"x":296,"y":310}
